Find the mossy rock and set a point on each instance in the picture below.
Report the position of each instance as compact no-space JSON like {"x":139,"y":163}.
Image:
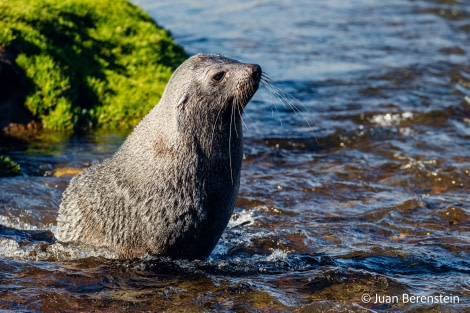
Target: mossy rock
{"x":8,"y":167}
{"x":85,"y":63}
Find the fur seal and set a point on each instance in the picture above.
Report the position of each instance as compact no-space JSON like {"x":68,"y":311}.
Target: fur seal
{"x":171,"y":187}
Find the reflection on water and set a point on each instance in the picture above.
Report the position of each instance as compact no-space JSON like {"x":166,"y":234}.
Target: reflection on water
{"x":365,"y":191}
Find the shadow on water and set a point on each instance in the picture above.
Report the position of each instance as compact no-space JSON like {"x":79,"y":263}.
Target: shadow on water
{"x":21,"y":236}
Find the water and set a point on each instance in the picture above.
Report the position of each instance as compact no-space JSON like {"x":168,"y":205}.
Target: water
{"x":364,"y":192}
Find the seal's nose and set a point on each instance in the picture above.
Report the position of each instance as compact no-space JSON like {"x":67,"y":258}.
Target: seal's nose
{"x":256,"y":72}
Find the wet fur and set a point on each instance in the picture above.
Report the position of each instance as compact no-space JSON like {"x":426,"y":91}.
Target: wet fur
{"x":171,"y":187}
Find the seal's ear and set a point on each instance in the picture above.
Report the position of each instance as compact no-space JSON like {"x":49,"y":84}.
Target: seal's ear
{"x":181,"y":113}
{"x":182,"y":101}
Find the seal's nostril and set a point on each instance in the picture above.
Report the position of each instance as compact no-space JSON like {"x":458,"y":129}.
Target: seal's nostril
{"x":256,"y":74}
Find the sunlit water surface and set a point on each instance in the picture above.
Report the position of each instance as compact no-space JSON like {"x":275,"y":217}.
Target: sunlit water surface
{"x":365,"y":190}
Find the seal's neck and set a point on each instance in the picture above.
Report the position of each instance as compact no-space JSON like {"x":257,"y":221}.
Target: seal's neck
{"x":220,"y":137}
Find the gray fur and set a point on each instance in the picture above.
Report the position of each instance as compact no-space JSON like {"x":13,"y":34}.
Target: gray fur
{"x":171,"y":187}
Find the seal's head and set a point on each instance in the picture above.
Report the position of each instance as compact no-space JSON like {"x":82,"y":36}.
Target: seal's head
{"x":210,"y":89}
{"x":214,"y":74}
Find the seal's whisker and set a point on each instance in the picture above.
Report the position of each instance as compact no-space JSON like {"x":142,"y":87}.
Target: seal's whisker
{"x":285,"y":98}
{"x":234,"y":120}
{"x":276,"y":99}
{"x":243,"y":100}
{"x":230,"y":146}
{"x":213,"y":128}
{"x":241,"y":117}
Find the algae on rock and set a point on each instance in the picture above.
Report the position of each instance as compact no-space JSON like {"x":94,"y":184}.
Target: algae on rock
{"x":8,"y":167}
{"x":86,"y":63}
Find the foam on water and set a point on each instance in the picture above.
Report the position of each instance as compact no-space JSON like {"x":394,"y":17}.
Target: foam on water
{"x":391,"y":119}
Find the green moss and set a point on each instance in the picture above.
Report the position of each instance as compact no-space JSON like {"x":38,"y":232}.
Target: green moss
{"x":99,"y":63}
{"x":8,"y":167}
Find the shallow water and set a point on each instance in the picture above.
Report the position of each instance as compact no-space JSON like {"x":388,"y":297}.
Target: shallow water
{"x":365,"y":191}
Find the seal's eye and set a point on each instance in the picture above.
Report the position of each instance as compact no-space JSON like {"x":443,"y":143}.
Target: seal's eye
{"x":218,"y":77}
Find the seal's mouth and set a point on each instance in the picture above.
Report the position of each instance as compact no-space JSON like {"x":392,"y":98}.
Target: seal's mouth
{"x":254,"y":82}
{"x":246,"y":86}
{"x":256,"y":73}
